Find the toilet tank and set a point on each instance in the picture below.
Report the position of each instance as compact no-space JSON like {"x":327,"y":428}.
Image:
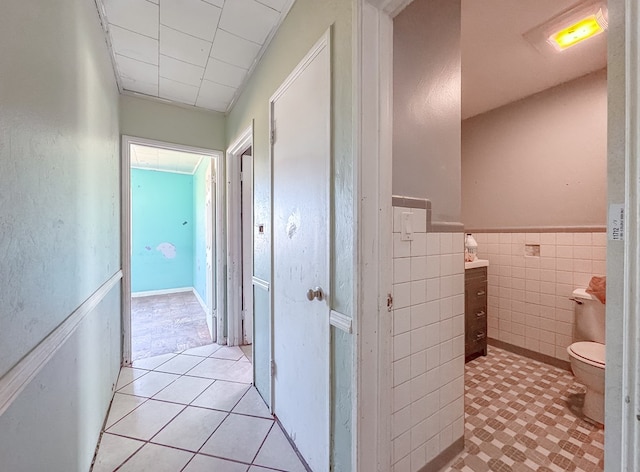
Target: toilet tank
{"x":590,"y":317}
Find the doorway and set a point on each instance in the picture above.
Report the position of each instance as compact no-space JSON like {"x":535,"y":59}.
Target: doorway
{"x":170,"y":231}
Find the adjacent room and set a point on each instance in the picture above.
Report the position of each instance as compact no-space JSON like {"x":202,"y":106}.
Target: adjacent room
{"x":172,"y":268}
{"x":485,"y":97}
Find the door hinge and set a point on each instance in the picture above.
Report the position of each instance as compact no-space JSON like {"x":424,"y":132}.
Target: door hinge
{"x":273,"y":133}
{"x":389,"y":302}
{"x":273,"y":368}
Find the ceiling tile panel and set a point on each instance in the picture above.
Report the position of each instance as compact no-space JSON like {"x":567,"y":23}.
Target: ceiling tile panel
{"x":134,"y":45}
{"x":223,"y":73}
{"x":214,"y":96}
{"x":184,"y":47}
{"x":194,"y":17}
{"x":179,"y":71}
{"x":216,"y":91}
{"x":275,"y":4}
{"x":133,"y":70}
{"x":140,"y":16}
{"x":248,"y":19}
{"x":218,"y":3}
{"x":234,"y":50}
{"x":172,"y":90}
{"x":139,"y":87}
{"x":179,"y":51}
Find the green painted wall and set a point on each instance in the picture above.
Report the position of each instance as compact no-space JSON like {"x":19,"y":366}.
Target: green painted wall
{"x":59,"y":227}
{"x":305,"y":24}
{"x":171,"y":123}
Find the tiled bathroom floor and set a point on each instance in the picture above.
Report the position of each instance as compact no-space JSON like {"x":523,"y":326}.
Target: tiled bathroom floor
{"x":162,"y":324}
{"x":524,"y":416}
{"x":194,"y":412}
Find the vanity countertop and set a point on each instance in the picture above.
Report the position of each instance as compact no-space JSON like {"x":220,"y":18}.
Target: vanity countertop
{"x":476,"y":263}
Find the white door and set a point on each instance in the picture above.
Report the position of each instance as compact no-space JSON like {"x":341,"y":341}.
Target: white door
{"x":246,"y":168}
{"x":301,"y":220}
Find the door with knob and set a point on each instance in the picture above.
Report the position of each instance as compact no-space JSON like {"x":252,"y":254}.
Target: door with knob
{"x":300,"y":283}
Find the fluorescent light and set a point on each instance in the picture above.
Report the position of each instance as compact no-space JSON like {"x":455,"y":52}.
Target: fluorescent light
{"x":570,"y":27}
{"x":577,"y":32}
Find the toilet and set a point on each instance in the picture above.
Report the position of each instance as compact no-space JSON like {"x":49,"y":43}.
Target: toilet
{"x":587,"y":353}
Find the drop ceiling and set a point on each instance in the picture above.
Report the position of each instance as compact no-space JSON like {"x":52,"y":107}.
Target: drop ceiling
{"x":194,"y":52}
{"x":164,"y":160}
{"x":499,"y":66}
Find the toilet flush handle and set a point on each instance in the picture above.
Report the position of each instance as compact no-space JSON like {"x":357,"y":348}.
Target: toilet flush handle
{"x":579,"y":302}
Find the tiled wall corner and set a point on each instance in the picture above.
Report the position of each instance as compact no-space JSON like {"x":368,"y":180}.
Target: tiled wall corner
{"x":528,"y":304}
{"x":428,"y":342}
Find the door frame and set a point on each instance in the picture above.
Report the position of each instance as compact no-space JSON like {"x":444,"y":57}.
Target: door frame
{"x":234,"y":235}
{"x":372,"y":88}
{"x":125,"y":231}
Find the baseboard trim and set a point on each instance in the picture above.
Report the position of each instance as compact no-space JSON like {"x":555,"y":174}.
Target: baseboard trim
{"x":445,"y":457}
{"x":200,"y":300}
{"x":166,"y":291}
{"x":14,"y":381}
{"x":536,"y":356}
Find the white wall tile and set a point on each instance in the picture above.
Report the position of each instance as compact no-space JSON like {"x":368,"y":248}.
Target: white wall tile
{"x":401,"y":346}
{"x":401,"y":320}
{"x":402,"y":270}
{"x":419,"y":245}
{"x":529,"y":302}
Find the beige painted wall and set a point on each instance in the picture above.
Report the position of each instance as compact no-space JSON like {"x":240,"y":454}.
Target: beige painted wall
{"x":189,"y":126}
{"x":305,"y":24}
{"x":538,"y":162}
{"x":426,"y":105}
{"x":59,"y":228}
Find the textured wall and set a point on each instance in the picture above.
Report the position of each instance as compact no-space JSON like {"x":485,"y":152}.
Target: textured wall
{"x":538,"y":162}
{"x":304,"y":25}
{"x":162,"y":230}
{"x":426,"y":105}
{"x":171,"y":123}
{"x":428,"y":343}
{"x":59,"y":227}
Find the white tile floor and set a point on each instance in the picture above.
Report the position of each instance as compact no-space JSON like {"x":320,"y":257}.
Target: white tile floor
{"x":193,"y":412}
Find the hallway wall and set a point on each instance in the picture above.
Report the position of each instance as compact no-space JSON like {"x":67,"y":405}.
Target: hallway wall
{"x":175,"y":124}
{"x":59,"y":229}
{"x":304,"y":25}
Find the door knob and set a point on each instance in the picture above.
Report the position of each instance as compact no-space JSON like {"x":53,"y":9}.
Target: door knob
{"x":315,"y":293}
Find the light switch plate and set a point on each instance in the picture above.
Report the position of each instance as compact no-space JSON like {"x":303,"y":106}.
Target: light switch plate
{"x":406,"y":233}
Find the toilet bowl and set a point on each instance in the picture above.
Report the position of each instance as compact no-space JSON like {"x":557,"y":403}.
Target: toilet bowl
{"x":587,"y":354}
{"x":588,"y":363}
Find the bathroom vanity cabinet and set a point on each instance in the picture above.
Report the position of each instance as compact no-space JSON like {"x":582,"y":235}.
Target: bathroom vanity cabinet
{"x":475,"y":301}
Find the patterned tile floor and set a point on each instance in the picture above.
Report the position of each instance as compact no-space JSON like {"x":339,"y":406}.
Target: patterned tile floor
{"x":192,"y":412}
{"x":525,"y":416}
{"x":161,"y":324}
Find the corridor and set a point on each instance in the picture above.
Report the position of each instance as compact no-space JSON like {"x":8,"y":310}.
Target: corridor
{"x":193,"y":411}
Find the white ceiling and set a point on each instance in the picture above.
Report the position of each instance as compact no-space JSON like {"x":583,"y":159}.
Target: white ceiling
{"x":195,"y":52}
{"x":165,"y":160}
{"x":499,"y":66}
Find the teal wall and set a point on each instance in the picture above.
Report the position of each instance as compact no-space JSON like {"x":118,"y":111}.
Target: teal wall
{"x":162,"y":230}
{"x":200,"y":229}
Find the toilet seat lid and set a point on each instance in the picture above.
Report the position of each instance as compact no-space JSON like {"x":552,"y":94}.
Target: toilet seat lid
{"x":591,"y":352}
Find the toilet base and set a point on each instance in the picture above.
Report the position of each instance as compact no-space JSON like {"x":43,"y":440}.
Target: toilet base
{"x":593,"y":407}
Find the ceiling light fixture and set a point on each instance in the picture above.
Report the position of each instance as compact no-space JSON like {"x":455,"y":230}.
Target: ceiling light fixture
{"x":572,"y":26}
